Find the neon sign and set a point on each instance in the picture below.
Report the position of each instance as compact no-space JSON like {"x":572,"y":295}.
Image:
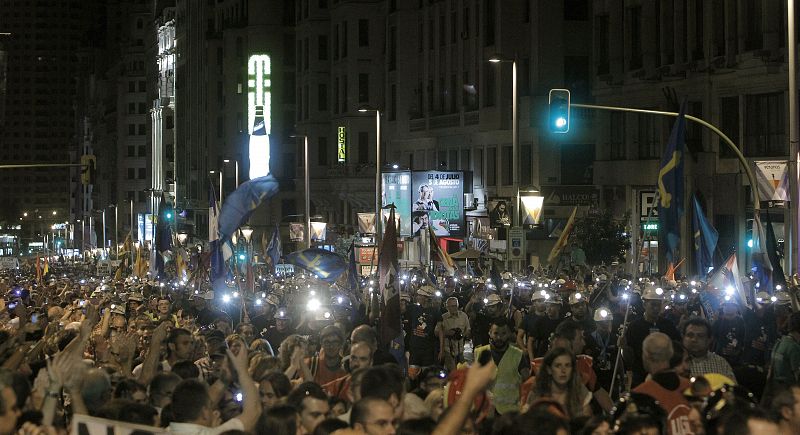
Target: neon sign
{"x":259,"y":112}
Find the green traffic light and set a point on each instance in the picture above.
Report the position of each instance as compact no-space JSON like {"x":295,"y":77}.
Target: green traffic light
{"x":558,"y":101}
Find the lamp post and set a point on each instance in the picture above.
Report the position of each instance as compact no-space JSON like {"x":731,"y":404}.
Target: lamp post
{"x":116,"y":231}
{"x":237,"y":169}
{"x":131,"y":219}
{"x":514,"y":131}
{"x":219,"y":200}
{"x":378,"y":217}
{"x":793,"y":251}
{"x":307,"y":187}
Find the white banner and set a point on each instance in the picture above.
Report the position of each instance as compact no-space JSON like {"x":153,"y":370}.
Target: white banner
{"x":366,"y":223}
{"x":85,"y":425}
{"x":319,"y":231}
{"x":773,"y":180}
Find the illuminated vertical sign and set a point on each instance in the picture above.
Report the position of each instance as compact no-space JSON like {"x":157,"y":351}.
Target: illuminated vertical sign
{"x":341,"y":144}
{"x":259,"y":112}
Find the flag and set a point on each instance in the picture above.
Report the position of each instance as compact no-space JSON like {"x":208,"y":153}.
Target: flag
{"x":705,"y":239}
{"x":391,"y":326}
{"x":726,"y":281}
{"x":275,"y":250}
{"x":38,"y":269}
{"x":561,"y":243}
{"x":444,"y":257}
{"x":140,"y":266}
{"x":241,"y":203}
{"x":325,"y":264}
{"x":219,"y":271}
{"x":760,"y":261}
{"x":670,"y":187}
{"x":352,"y":270}
{"x":163,"y":242}
{"x":778,"y":277}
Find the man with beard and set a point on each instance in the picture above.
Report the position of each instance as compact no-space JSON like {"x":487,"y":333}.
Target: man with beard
{"x":482,"y":318}
{"x":538,"y":310}
{"x":513,"y":366}
{"x":543,"y":327}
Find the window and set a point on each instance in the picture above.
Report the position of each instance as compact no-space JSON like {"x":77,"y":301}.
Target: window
{"x":139,"y":23}
{"x":697,"y":51}
{"x":764,"y":125}
{"x":508,"y":166}
{"x":477,"y":168}
{"x":322,"y":47}
{"x":344,"y":39}
{"x":142,"y":129}
{"x":754,"y":37}
{"x":288,"y":87}
{"x":729,"y":123}
{"x":442,"y":31}
{"x":239,"y":47}
{"x":142,"y":86}
{"x":288,"y":50}
{"x":393,"y":103}
{"x":635,"y":32}
{"x":322,"y":97}
{"x":489,"y":18}
{"x":363,"y":33}
{"x":131,"y":173}
{"x":336,"y":95}
{"x":489,"y":70}
{"x":453,"y":27}
{"x":345,"y":99}
{"x":616,"y":136}
{"x":392,"y":48}
{"x":322,"y":4}
{"x":363,"y":88}
{"x":131,"y":129}
{"x":601,"y":38}
{"x":142,"y":151}
{"x":649,"y":137}
{"x":322,"y":151}
{"x":336,"y":42}
{"x":142,"y":108}
{"x":131,"y":151}
{"x":491,"y":167}
{"x":131,"y":108}
{"x":576,"y":10}
{"x":142,"y":173}
{"x":363,"y":147}
{"x":131,"y":86}
{"x":305,"y":54}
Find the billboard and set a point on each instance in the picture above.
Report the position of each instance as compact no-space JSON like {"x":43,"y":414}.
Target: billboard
{"x":439,"y":202}
{"x":397,"y":190}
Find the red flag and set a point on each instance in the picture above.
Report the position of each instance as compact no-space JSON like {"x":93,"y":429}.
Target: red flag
{"x":388,"y":269}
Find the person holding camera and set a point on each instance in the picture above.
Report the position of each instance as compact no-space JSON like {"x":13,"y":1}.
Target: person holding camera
{"x":452,"y":331}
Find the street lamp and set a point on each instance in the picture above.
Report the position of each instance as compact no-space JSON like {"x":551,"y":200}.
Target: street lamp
{"x":220,"y":184}
{"x":247,"y":232}
{"x":514,"y":129}
{"x":237,"y":169}
{"x":182,"y":236}
{"x":378,"y":218}
{"x":307,"y":187}
{"x":116,"y":230}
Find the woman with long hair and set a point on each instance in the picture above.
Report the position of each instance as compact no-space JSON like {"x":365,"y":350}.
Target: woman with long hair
{"x":559,"y":380}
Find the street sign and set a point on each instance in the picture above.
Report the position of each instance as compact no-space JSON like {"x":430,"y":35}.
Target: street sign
{"x":516,"y":243}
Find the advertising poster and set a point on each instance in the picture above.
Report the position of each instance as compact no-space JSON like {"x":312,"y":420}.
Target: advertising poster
{"x":499,"y":212}
{"x":773,"y":180}
{"x":439,"y":202}
{"x":397,"y":191}
{"x":297,"y":231}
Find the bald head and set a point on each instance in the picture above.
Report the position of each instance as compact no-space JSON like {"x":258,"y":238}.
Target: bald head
{"x":364,"y":333}
{"x":656,"y":352}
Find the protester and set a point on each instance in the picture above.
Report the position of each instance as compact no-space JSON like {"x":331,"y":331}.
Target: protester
{"x":697,"y":340}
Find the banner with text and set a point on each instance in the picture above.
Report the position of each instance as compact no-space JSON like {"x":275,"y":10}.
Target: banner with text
{"x":773,"y":180}
{"x":439,"y":202}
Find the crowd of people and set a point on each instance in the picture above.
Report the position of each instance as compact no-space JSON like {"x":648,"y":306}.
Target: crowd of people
{"x":588,"y":351}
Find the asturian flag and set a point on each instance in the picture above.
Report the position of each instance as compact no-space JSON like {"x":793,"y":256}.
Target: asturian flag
{"x":326,"y":265}
{"x":670,"y":187}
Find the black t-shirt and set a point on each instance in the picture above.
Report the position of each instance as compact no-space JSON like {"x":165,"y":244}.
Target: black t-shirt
{"x":637,"y":331}
{"x":541,"y":330}
{"x":422,"y":322}
{"x":760,"y":334}
{"x":262,"y":322}
{"x":276,"y":337}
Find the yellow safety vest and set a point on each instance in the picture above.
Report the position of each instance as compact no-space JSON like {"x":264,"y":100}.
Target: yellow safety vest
{"x":507,"y":380}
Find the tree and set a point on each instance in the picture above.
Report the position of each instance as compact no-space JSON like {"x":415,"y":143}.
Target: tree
{"x":603,"y":238}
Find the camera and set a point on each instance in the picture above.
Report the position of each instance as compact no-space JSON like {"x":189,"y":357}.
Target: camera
{"x":458,"y":334}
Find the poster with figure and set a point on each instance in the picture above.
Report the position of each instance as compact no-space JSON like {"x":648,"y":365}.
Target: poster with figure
{"x":499,"y":213}
{"x":440,"y":196}
{"x":397,"y":191}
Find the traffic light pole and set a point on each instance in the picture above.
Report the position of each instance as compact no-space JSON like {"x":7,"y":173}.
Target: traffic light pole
{"x":751,"y":178}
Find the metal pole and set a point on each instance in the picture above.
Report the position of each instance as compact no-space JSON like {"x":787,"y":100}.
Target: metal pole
{"x":237,"y":173}
{"x":131,"y":219}
{"x":220,"y":185}
{"x":105,"y":252}
{"x":116,"y":230}
{"x":793,"y":251}
{"x":378,"y":217}
{"x":515,"y":145}
{"x":307,"y":191}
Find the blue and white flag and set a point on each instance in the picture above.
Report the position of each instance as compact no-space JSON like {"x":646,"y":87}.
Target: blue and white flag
{"x":326,"y":265}
{"x":705,"y":239}
{"x":240,"y":204}
{"x":670,"y":188}
{"x":219,"y":271}
{"x":275,"y":249}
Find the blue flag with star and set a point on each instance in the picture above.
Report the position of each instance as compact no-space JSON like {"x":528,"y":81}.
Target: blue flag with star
{"x":325,"y":264}
{"x":670,"y":188}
